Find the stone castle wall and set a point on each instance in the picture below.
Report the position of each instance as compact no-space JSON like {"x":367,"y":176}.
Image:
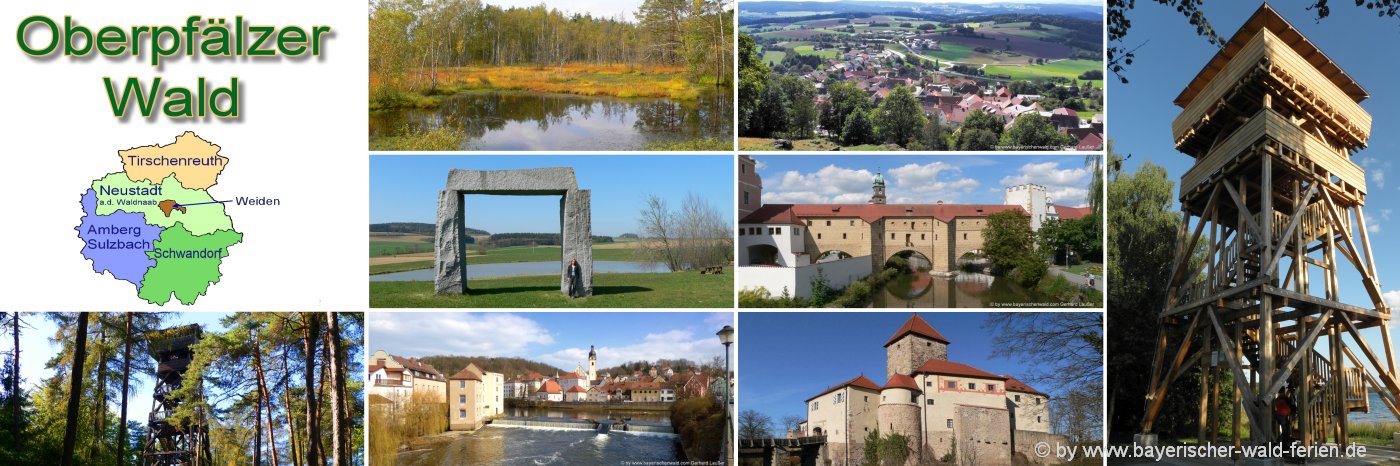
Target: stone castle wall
{"x":983,"y":435}
{"x":910,"y":352}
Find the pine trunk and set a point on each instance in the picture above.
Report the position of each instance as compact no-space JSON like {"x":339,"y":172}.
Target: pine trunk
{"x":287,"y":399}
{"x":126,"y":378}
{"x":263,"y":397}
{"x":75,"y":389}
{"x":257,"y":430}
{"x":339,"y":440}
{"x":312,"y":329}
{"x":14,"y":385}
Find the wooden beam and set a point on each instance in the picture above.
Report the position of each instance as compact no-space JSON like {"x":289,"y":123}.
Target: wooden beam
{"x":1241,"y":382}
{"x":1158,"y":393}
{"x":1387,"y":378}
{"x":1304,"y":348}
{"x":1386,"y":396}
{"x":1244,"y":211}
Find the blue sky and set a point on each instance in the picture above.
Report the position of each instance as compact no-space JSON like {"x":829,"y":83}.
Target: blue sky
{"x":964,"y":179}
{"x":404,"y":188}
{"x":1169,"y":54}
{"x":36,"y":350}
{"x":557,"y":338}
{"x":787,"y":358}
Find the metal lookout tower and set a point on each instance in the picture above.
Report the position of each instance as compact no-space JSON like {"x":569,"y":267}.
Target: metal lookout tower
{"x":170,"y":442}
{"x":1273,"y":205}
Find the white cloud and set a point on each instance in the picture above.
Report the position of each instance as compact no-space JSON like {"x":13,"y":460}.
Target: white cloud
{"x":1373,"y":224}
{"x":1067,"y":186}
{"x":916,"y":183}
{"x":1391,"y":298}
{"x":759,"y":164}
{"x":831,"y":184}
{"x":423,"y":334}
{"x":1376,"y":169}
{"x":670,"y":344}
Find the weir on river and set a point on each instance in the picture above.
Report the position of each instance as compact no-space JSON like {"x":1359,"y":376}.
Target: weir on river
{"x":601,"y":426}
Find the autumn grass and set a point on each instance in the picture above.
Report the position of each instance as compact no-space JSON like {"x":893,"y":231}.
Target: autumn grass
{"x":394,"y":424}
{"x":611,"y":290}
{"x":442,"y":138}
{"x":417,"y":91}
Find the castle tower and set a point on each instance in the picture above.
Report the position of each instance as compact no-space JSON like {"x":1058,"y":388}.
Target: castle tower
{"x":913,"y":344}
{"x":1274,"y":200}
{"x":899,"y":413}
{"x":879,"y":189}
{"x":592,"y":364}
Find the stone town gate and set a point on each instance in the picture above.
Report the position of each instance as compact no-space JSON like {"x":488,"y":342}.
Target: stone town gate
{"x":575,"y":219}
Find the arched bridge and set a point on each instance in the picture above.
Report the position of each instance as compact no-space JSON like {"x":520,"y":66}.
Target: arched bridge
{"x":809,"y":449}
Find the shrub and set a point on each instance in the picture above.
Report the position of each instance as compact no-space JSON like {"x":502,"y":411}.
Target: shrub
{"x":1029,"y":271}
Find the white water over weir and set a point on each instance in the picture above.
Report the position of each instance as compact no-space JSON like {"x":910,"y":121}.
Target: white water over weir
{"x":602,"y":427}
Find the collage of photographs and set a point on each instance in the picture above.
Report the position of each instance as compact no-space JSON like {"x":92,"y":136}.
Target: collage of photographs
{"x":752,"y":196}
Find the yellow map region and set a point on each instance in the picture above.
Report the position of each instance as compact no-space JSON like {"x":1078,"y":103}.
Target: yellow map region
{"x":196,"y":163}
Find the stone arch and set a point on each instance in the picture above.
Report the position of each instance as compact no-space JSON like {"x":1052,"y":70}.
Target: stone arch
{"x":917,"y":259}
{"x":764,"y":254}
{"x":832,"y":255}
{"x":575,"y":215}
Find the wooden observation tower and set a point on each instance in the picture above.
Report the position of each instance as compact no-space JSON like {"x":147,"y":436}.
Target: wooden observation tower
{"x":1271,"y":223}
{"x":171,"y":441}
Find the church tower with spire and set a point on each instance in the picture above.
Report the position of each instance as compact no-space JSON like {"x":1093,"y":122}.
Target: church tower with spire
{"x":879,"y":187}
{"x":592,"y":364}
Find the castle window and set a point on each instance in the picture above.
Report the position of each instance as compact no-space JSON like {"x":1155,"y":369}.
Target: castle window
{"x":1018,"y":398}
{"x":951,"y":384}
{"x":843,"y":236}
{"x":1037,"y":419}
{"x":964,"y":235}
{"x":746,"y":198}
{"x":815,"y":405}
{"x":796,"y":231}
{"x":928,"y":343}
{"x":853,"y":223}
{"x":1037,"y":401}
{"x":928,"y":384}
{"x":891,"y":235}
{"x":929,"y":402}
{"x":991,"y":388}
{"x":913,"y":397}
{"x":461,"y":414}
{"x":780,"y":230}
{"x":742,"y":231}
{"x":461,"y":384}
{"x":819,"y":236}
{"x":461,"y":399}
{"x":922,"y":236}
{"x":972,"y":385}
{"x":828,"y":223}
{"x":950,"y":423}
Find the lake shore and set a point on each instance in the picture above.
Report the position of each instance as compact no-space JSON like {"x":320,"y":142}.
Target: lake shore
{"x":623,"y":81}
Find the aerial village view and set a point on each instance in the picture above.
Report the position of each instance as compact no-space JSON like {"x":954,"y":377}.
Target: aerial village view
{"x":929,"y":76}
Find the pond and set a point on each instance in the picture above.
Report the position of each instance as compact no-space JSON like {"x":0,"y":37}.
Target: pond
{"x":922,"y":290}
{"x":510,"y":446}
{"x":527,"y":121}
{"x":509,"y":269}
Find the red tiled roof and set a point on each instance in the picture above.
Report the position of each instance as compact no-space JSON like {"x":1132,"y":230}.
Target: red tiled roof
{"x":415,"y":364}
{"x":939,"y":366}
{"x":1064,"y":111}
{"x":902,"y":381}
{"x":387,"y":369}
{"x":860,"y":381}
{"x":790,"y":214}
{"x":1017,"y":386}
{"x":534,"y":376}
{"x":571,"y":375}
{"x":917,"y":326}
{"x":1091,"y":141}
{"x":549,"y":387}
{"x":577,"y":389}
{"x":1072,"y":213}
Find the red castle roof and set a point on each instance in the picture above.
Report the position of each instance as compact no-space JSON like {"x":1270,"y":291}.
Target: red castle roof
{"x":902,"y":381}
{"x":1017,"y":386}
{"x":860,"y":381}
{"x":938,"y":366}
{"x":917,"y":326}
{"x":791,"y":214}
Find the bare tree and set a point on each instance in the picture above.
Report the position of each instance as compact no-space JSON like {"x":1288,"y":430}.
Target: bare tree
{"x":694,"y":237}
{"x":753,"y":424}
{"x":1063,"y":352}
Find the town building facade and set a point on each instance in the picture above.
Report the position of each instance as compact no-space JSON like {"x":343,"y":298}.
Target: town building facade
{"x":474,"y":396}
{"x":399,"y":379}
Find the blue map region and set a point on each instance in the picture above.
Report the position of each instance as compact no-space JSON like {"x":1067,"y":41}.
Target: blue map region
{"x":117,"y":243}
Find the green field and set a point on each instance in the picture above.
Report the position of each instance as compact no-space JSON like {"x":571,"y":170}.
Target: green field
{"x":616,"y":290}
{"x":949,"y":52}
{"x":772,"y":57}
{"x":810,"y":50}
{"x":501,"y":255}
{"x":393,"y":248}
{"x":1068,"y":69}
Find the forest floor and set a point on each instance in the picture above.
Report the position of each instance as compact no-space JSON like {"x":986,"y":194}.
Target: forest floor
{"x":619,"y":290}
{"x":579,"y":79}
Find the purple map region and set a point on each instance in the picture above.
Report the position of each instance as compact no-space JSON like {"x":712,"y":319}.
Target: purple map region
{"x":117,"y":243}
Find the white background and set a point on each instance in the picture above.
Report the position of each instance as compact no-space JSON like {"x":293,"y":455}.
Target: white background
{"x":301,"y":139}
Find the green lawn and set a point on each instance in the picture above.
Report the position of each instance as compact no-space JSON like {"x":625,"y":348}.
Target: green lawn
{"x":391,"y":248}
{"x":501,"y":255}
{"x":615,"y":290}
{"x":950,"y":52}
{"x":811,"y":50}
{"x":773,"y":57}
{"x":1068,"y":69}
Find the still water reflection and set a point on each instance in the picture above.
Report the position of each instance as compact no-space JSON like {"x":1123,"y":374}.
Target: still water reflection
{"x":526,"y":121}
{"x":922,"y":290}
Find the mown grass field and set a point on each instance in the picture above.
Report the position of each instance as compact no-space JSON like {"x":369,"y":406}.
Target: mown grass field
{"x":601,"y":252}
{"x":773,"y":57}
{"x":1068,"y":69}
{"x":811,"y":50}
{"x":615,"y":290}
{"x":393,"y":248}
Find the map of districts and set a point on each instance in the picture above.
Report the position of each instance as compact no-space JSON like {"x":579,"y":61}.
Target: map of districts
{"x":155,"y":225}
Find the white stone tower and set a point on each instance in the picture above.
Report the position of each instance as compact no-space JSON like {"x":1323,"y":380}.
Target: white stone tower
{"x":899,"y":413}
{"x":879,"y":187}
{"x":592,"y":364}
